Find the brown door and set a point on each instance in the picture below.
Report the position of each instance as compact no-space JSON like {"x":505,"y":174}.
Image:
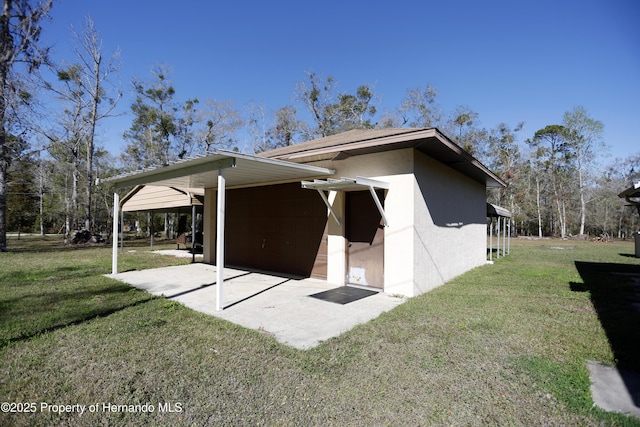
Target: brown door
{"x":365,"y":239}
{"x":319,"y":270}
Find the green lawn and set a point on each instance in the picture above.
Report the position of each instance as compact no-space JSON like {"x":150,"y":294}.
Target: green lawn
{"x":504,"y":344}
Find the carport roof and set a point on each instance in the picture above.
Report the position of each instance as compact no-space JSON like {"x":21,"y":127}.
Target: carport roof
{"x":497,"y":211}
{"x":239,"y":170}
{"x":631,"y":194}
{"x":160,"y":199}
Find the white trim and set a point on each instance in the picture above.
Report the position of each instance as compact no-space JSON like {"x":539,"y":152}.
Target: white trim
{"x":349,"y":184}
{"x":344,"y":184}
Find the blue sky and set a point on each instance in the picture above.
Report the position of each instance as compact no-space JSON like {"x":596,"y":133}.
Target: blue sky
{"x":509,"y":61}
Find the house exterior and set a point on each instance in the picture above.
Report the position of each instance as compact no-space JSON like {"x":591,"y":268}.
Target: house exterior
{"x":399,"y":210}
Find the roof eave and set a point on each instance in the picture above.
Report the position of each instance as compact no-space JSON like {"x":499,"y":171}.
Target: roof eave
{"x":633,"y":191}
{"x":214,"y":162}
{"x":418,"y":138}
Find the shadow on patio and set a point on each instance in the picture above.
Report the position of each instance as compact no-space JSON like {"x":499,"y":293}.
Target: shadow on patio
{"x":282,"y":306}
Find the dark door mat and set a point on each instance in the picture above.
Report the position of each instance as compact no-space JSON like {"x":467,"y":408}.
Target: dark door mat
{"x":343,"y":294}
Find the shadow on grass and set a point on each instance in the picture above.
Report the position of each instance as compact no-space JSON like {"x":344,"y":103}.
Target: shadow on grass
{"x":615,"y":294}
{"x":628,"y":255}
{"x":72,"y":313}
{"x":57,"y":244}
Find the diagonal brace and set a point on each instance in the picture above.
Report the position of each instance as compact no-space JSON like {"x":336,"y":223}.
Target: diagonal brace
{"x":379,"y":205}
{"x":326,"y":202}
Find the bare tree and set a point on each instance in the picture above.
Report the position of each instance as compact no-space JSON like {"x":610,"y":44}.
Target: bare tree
{"x":584,"y":135}
{"x":286,"y":129}
{"x":553,"y":155}
{"x":19,"y":44}
{"x":317,"y":95}
{"x":463,"y":127}
{"x":88,"y":96}
{"x":101,"y":95}
{"x":257,"y":126}
{"x":219,"y":120}
{"x":66,"y":144}
{"x":335,"y":112}
{"x":419,"y":108}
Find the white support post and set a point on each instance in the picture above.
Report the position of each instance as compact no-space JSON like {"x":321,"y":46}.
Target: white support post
{"x":193,"y":233}
{"x":498,"y":239}
{"x":504,"y":237}
{"x":509,"y":238}
{"x":116,"y":220}
{"x":220,"y":241}
{"x":122,"y":233}
{"x":491,"y":240}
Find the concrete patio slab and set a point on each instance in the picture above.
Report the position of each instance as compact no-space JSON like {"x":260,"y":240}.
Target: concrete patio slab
{"x":278,"y":305}
{"x":614,"y":389}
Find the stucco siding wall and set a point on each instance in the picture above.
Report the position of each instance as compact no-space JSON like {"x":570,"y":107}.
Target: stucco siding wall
{"x":398,"y":237}
{"x":449,"y":224}
{"x":394,"y":167}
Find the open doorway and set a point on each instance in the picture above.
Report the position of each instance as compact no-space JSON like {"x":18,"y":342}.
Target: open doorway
{"x":364,"y":231}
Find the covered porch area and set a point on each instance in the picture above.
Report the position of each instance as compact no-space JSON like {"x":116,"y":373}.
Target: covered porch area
{"x":214,"y":173}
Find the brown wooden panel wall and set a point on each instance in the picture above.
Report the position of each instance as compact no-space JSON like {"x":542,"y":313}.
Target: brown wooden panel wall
{"x":279,"y":228}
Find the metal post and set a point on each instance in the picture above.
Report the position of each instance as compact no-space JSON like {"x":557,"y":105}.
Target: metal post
{"x":491,"y":240}
{"x":509,"y":238}
{"x":220,"y":241}
{"x":193,"y":233}
{"x":504,"y":237}
{"x":498,"y":239}
{"x":114,"y":253}
{"x":122,"y":232}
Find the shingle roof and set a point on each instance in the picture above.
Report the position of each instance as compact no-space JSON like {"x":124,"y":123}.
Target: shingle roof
{"x":357,"y":142}
{"x":338,"y":140}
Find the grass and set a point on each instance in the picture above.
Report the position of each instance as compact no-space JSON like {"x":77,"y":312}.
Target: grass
{"x":505,"y":344}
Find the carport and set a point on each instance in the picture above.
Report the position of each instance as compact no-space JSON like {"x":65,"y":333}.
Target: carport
{"x":502,"y":219}
{"x":218,"y":171}
{"x":153,"y":199}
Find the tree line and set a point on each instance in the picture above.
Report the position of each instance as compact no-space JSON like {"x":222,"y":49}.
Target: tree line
{"x":50,"y":156}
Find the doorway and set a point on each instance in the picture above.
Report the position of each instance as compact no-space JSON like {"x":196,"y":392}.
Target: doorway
{"x":364,"y":231}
